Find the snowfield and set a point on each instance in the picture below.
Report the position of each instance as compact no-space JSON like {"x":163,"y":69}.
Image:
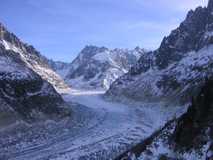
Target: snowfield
{"x":99,"y":129}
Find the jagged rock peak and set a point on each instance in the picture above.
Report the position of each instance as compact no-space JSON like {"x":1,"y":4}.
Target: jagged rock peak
{"x":98,"y":67}
{"x":1,"y":30}
{"x":92,"y":48}
{"x":2,"y":27}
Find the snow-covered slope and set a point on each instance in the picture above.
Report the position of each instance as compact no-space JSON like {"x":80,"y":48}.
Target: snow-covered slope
{"x":99,"y":67}
{"x":179,"y":71}
{"x":186,"y":138}
{"x":32,"y":58}
{"x":176,"y":70}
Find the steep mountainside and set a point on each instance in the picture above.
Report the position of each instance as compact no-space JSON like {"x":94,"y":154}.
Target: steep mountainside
{"x":98,"y":67}
{"x":24,"y":94}
{"x":188,"y":138}
{"x":176,"y":70}
{"x":31,"y":57}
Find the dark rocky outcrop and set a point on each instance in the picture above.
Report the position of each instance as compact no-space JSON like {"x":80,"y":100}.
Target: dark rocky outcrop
{"x":184,"y":39}
{"x":189,"y":36}
{"x":191,"y":134}
{"x":29,"y":97}
{"x":194,"y":129}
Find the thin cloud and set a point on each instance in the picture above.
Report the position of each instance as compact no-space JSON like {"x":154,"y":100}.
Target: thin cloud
{"x":72,"y":24}
{"x":178,"y":5}
{"x":152,"y":26}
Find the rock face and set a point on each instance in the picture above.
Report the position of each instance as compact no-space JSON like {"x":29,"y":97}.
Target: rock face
{"x":176,"y":70}
{"x":31,"y":57}
{"x":194,"y":129}
{"x":190,"y":136}
{"x":98,"y":67}
{"x":24,"y":94}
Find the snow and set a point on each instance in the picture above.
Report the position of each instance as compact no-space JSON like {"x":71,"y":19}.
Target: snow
{"x":13,"y":70}
{"x":45,"y":72}
{"x":76,"y":93}
{"x":123,"y":124}
{"x":63,"y":72}
{"x":208,"y":34}
{"x":110,"y":57}
{"x":159,"y":146}
{"x":110,"y":65}
{"x":5,"y":67}
{"x":9,"y":46}
{"x":103,"y":57}
{"x":102,"y":129}
{"x":157,"y":84}
{"x":101,"y":80}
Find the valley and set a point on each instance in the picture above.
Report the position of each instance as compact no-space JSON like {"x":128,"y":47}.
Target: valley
{"x":109,"y":104}
{"x":99,"y":129}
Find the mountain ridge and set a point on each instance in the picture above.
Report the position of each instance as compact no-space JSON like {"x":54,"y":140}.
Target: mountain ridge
{"x":98,"y":67}
{"x":24,"y":92}
{"x":167,"y":73}
{"x":32,"y":58}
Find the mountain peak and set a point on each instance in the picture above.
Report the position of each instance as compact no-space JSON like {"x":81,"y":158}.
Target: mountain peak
{"x":1,"y":25}
{"x":91,"y":50}
{"x":94,"y":48}
{"x":2,"y":29}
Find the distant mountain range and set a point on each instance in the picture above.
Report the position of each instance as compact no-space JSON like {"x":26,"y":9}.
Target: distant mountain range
{"x":97,"y":67}
{"x":29,"y":81}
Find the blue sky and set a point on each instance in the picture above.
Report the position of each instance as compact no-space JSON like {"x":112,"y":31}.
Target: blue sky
{"x":59,"y":29}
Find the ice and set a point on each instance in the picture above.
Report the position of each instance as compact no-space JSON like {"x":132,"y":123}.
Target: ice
{"x":103,"y":129}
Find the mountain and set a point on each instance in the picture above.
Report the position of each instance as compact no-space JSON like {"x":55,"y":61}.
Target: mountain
{"x":26,"y":94}
{"x":99,"y":67}
{"x":180,"y":71}
{"x":32,"y":58}
{"x":177,"y":69}
{"x":187,"y":138}
{"x":61,"y":68}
